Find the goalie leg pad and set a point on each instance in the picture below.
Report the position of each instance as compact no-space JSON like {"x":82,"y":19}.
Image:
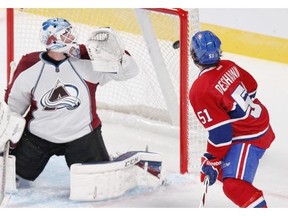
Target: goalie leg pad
{"x":101,"y":181}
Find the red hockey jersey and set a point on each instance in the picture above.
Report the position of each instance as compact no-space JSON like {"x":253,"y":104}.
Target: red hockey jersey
{"x":224,"y":100}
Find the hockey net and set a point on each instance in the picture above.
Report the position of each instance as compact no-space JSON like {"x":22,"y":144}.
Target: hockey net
{"x":159,"y":94}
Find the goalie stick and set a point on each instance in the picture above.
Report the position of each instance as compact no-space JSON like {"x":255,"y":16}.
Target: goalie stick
{"x":4,"y":197}
{"x":203,"y":198}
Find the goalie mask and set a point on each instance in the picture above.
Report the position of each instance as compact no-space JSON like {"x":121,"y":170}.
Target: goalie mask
{"x":57,"y":34}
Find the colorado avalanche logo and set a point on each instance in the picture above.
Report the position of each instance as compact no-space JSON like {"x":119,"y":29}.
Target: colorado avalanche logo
{"x":61,"y":96}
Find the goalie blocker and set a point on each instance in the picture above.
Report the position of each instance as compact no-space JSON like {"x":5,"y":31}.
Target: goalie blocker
{"x":101,"y":181}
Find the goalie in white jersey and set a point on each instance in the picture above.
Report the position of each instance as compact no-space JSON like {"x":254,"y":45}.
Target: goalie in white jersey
{"x":56,"y":91}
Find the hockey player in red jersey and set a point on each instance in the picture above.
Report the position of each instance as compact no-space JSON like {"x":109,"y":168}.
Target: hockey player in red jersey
{"x":56,"y":91}
{"x":224,"y":100}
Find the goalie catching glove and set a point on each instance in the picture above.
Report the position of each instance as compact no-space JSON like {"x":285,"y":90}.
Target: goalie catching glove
{"x":11,"y":126}
{"x":105,"y":48}
{"x":211,"y":167}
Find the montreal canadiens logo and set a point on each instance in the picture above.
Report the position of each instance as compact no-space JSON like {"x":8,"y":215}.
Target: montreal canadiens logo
{"x":61,"y":96}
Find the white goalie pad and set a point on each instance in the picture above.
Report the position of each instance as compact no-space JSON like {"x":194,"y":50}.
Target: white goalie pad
{"x":10,"y":174}
{"x":105,"y":48}
{"x":101,"y":181}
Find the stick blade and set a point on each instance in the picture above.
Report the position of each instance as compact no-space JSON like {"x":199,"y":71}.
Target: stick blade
{"x":203,"y":198}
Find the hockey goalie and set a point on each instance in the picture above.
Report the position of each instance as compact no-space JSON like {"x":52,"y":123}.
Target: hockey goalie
{"x":55,"y":90}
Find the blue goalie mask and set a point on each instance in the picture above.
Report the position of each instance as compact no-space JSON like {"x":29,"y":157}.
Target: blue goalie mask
{"x":56,"y":34}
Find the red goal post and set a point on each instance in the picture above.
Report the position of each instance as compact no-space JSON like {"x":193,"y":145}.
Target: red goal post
{"x":169,"y":25}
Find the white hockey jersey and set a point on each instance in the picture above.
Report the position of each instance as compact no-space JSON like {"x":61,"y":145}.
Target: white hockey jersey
{"x":60,"y":100}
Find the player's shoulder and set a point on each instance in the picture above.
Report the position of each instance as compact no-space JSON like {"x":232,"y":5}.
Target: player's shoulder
{"x":202,"y":84}
{"x":28,"y":60}
{"x":31,"y":57}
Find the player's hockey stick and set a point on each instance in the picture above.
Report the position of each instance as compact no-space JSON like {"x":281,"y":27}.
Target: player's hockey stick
{"x":203,"y":198}
{"x":4,"y":197}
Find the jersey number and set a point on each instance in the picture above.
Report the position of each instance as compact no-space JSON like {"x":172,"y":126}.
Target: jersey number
{"x":242,"y":98}
{"x":204,"y":116}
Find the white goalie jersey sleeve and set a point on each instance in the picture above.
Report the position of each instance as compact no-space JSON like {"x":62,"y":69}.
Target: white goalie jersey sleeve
{"x":127,"y":70}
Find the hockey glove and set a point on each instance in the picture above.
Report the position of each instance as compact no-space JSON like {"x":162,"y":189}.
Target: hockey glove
{"x":106,"y":49}
{"x":211,"y":167}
